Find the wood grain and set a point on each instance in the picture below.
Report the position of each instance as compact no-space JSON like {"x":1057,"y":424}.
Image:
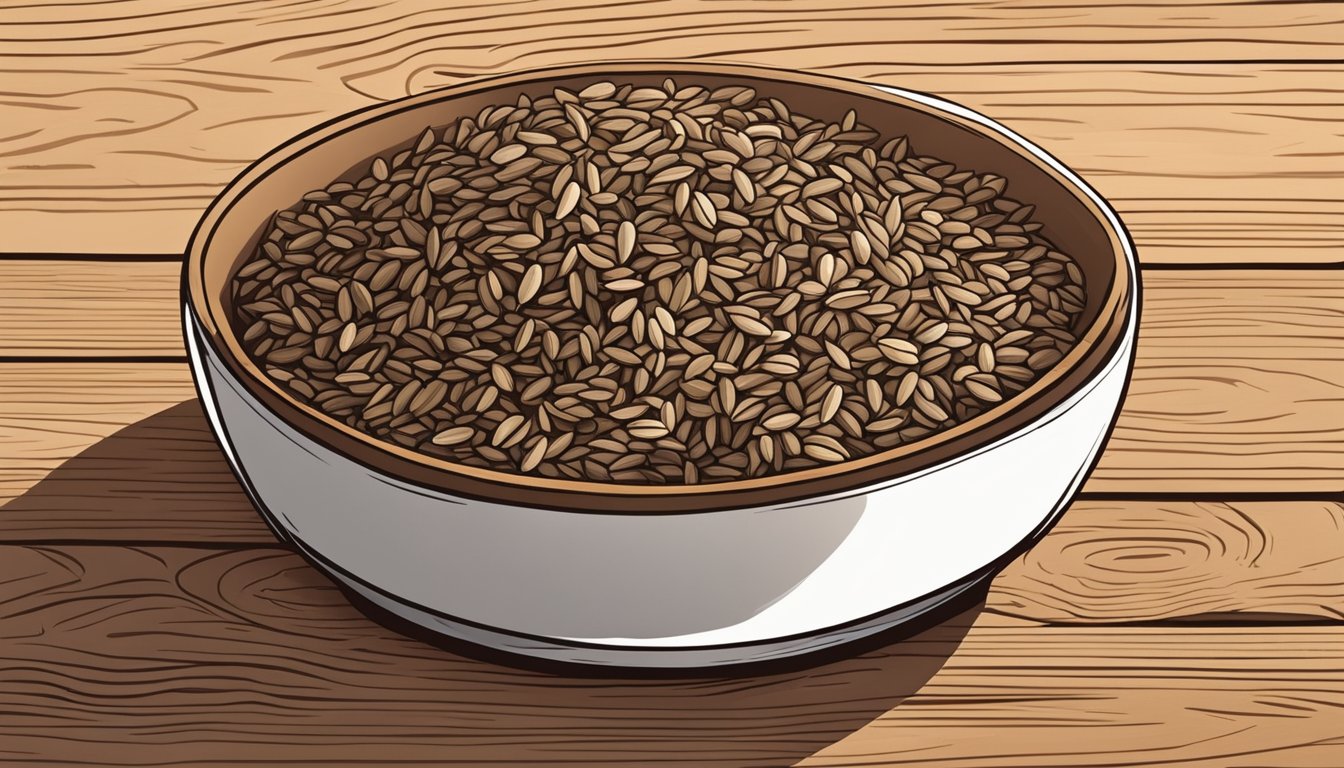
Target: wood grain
{"x":1237,"y":388}
{"x":1210,"y":126}
{"x":166,"y":655}
{"x":1147,"y":561}
{"x":89,"y":308}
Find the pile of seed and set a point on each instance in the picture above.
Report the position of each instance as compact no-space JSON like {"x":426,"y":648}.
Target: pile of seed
{"x":656,"y":285}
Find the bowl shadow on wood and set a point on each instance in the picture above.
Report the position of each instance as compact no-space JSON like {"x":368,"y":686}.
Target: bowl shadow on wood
{"x":162,"y":478}
{"x":165,"y":474}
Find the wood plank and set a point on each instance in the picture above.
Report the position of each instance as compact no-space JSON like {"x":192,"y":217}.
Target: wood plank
{"x":89,"y":308}
{"x":163,"y":655}
{"x":1150,"y":561}
{"x":1140,"y":698}
{"x":1198,"y":120}
{"x":1236,"y":387}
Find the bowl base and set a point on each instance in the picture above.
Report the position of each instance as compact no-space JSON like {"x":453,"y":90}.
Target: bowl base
{"x":639,"y":657}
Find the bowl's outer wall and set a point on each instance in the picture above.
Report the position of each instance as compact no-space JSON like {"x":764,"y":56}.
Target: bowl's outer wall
{"x":671,"y":580}
{"x":1075,"y":219}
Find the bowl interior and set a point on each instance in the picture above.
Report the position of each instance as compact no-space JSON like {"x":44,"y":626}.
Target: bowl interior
{"x":1073,"y":218}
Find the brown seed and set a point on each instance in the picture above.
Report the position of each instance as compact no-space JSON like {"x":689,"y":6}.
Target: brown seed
{"x":536,"y":137}
{"x":656,"y":284}
{"x":873,"y":392}
{"x":984,"y":356}
{"x":522,"y":242}
{"x":1043,"y":359}
{"x":932,"y":333}
{"x":930,"y":408}
{"x":826,"y":268}
{"x":961,"y":295}
{"x":744,"y":187}
{"x":859,"y":245}
{"x":822,"y":187}
{"x":666,"y":322}
{"x":671,"y":174}
{"x":362,"y":298}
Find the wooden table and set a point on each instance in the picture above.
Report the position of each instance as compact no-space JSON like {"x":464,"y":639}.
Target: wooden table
{"x":1189,"y":608}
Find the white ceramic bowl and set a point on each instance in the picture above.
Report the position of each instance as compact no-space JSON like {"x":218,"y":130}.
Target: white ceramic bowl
{"x":667,"y":576}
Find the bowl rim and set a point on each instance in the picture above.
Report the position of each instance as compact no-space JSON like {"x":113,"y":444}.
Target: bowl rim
{"x":1084,"y":362}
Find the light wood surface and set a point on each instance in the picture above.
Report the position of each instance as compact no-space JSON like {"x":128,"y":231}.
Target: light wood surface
{"x":97,"y":308}
{"x":1152,"y":561}
{"x":1187,"y":611}
{"x":1217,"y":143}
{"x":153,"y":652}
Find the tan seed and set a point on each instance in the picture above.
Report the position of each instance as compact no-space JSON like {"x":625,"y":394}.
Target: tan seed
{"x":830,"y":404}
{"x":750,"y":326}
{"x":569,"y":199}
{"x":625,"y":241}
{"x":530,"y":284}
{"x":899,"y":351}
{"x":907,"y":387}
{"x":598,"y":91}
{"x":501,"y":376}
{"x":648,"y":429}
{"x":781,"y":421}
{"x":347,"y":340}
{"x":534,"y":455}
{"x":506,"y":429}
{"x":507,"y":154}
{"x":703,"y":209}
{"x":626,"y":284}
{"x":454,"y":436}
{"x":847,"y":299}
{"x":822,"y":454}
